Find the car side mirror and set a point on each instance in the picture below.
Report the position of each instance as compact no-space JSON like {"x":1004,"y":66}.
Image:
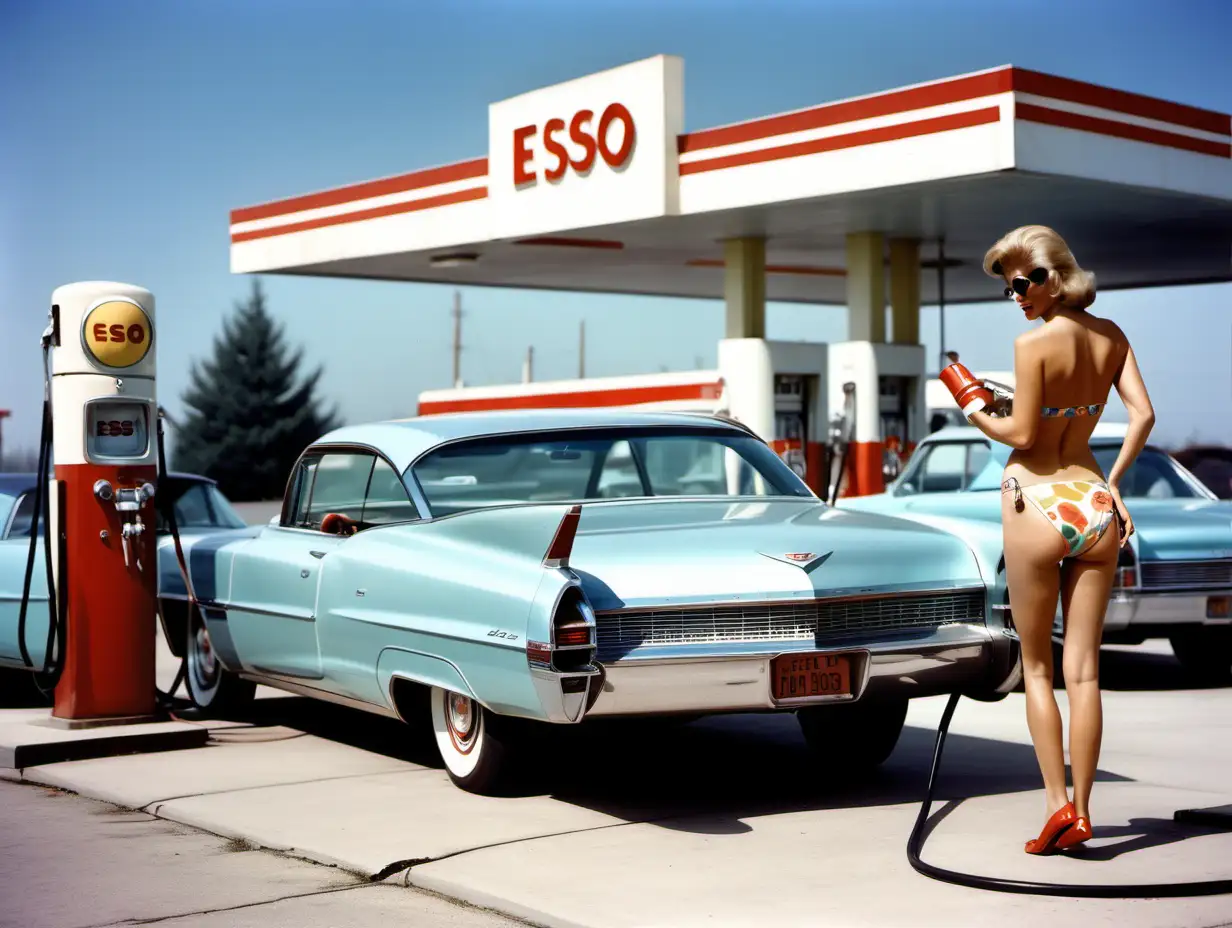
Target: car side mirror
{"x":904,"y":489}
{"x":335,"y":523}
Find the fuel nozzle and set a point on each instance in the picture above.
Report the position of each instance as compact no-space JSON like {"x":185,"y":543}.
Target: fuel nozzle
{"x":126,"y":500}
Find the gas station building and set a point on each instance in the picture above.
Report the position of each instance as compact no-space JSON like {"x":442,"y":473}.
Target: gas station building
{"x":890,"y":199}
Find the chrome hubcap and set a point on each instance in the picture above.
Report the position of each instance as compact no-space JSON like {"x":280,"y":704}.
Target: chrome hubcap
{"x":460,"y":718}
{"x":207,"y":663}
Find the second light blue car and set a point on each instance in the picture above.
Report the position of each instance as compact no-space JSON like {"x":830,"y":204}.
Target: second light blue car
{"x":1174,"y":579}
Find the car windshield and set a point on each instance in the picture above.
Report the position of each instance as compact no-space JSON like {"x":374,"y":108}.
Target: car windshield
{"x":1153,"y":475}
{"x":590,"y":464}
{"x":197,"y":505}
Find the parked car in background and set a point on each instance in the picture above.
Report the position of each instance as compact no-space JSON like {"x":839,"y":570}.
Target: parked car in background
{"x":200,"y":508}
{"x":1174,"y":579}
{"x":494,"y":571}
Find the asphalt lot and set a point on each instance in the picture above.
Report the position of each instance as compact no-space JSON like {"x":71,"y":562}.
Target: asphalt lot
{"x":726,"y":821}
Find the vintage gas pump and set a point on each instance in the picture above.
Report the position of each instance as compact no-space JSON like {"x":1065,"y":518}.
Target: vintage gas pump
{"x":105,"y":419}
{"x":889,"y":408}
{"x":778,"y":389}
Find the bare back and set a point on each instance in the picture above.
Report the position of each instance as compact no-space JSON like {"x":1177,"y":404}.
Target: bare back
{"x":1081,"y":357}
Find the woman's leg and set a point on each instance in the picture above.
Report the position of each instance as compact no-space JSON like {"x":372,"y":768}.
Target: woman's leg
{"x":1033,"y":550}
{"x":1084,"y":600}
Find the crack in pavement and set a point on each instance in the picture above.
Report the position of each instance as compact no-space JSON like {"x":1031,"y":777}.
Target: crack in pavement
{"x":228,"y":908}
{"x":410,"y":863}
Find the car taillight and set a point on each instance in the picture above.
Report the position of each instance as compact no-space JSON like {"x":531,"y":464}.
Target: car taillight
{"x":1127,"y":569}
{"x":571,"y":635}
{"x":538,"y":652}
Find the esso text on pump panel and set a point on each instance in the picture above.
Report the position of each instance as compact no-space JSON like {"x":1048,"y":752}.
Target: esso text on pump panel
{"x":594,"y":138}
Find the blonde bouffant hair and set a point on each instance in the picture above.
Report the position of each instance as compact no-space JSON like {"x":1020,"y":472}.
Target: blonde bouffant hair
{"x":1040,"y":246}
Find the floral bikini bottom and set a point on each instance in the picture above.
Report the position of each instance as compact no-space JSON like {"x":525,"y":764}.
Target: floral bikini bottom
{"x":1081,"y":510}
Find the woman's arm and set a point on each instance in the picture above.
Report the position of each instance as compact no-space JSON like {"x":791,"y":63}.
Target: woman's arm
{"x":1133,"y":394}
{"x":1019,"y":428}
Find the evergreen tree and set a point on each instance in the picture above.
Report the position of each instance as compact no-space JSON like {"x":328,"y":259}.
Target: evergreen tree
{"x":246,"y":420}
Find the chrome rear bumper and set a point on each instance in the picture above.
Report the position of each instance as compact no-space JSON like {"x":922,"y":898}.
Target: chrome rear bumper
{"x":735,"y":678}
{"x":1129,"y":608}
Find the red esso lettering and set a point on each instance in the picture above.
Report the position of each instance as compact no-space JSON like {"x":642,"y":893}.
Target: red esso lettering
{"x":117,"y":333}
{"x":114,"y":428}
{"x":590,"y":142}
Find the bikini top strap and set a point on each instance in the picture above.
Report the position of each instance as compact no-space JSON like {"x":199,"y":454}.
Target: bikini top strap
{"x":1069,"y":412}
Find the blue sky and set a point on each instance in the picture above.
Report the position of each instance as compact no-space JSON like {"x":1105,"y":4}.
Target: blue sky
{"x":128,"y":130}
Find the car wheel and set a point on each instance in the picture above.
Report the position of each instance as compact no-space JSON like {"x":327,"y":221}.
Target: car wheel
{"x":852,"y":737}
{"x":210,"y":687}
{"x":469,"y":738}
{"x":1205,"y":653}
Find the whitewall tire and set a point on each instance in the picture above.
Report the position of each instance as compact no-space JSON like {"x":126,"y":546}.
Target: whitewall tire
{"x":468,"y":738}
{"x":210,"y":687}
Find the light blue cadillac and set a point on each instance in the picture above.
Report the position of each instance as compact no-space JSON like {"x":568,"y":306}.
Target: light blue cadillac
{"x":1174,"y":579}
{"x":492,"y":572}
{"x":499,"y":570}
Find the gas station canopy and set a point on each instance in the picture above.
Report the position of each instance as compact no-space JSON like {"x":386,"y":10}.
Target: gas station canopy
{"x":592,"y":185}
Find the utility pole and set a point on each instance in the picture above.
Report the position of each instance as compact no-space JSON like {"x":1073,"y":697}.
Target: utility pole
{"x":528,"y":367}
{"x":582,"y":349}
{"x":4,"y":414}
{"x":457,"y":339}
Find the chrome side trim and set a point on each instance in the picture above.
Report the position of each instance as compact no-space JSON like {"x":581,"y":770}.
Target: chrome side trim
{"x":313,"y":692}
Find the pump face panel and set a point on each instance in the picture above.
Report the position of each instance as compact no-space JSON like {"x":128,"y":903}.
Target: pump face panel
{"x":117,"y":430}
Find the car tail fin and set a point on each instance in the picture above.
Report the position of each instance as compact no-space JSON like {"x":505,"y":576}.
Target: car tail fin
{"x":562,"y":542}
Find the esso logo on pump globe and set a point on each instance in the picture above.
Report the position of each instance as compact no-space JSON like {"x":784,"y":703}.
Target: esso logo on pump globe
{"x":116,"y":333}
{"x":611,"y":138}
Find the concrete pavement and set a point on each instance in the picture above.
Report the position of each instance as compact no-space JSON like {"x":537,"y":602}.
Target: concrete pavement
{"x":69,"y":862}
{"x":726,"y":821}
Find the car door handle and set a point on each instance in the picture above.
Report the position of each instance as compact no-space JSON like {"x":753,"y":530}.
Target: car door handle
{"x":317,"y":554}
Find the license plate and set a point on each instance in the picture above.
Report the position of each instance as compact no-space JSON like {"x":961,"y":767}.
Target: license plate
{"x":799,"y":676}
{"x":1217,"y":607}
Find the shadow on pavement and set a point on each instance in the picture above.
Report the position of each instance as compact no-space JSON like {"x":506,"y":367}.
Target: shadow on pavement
{"x":1141,"y":833}
{"x":1133,"y":669}
{"x":702,"y":777}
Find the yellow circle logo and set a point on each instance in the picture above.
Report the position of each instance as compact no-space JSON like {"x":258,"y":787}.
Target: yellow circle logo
{"x":117,"y":333}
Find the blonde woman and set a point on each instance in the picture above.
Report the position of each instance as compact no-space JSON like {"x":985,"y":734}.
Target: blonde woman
{"x":1057,"y":507}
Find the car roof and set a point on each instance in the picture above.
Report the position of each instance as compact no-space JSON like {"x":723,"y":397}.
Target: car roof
{"x":404,"y":440}
{"x":1103,"y":430}
{"x":18,"y":482}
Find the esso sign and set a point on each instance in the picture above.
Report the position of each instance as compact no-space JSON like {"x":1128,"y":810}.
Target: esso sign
{"x":116,"y":333}
{"x":611,"y":138}
{"x":115,"y":428}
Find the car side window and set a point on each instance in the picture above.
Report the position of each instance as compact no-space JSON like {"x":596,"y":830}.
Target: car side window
{"x":301,"y":492}
{"x":978,"y":454}
{"x":943,"y":469}
{"x":386,"y":500}
{"x":340,"y":484}
{"x":19,"y":526}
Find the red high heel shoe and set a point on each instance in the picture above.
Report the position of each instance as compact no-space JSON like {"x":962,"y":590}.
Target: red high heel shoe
{"x":1076,"y":835}
{"x":1061,"y":822}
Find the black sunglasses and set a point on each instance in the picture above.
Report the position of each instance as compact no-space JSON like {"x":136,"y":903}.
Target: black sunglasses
{"x":1019,"y":285}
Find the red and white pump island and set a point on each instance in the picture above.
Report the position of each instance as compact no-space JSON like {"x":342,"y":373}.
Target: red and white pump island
{"x":105,"y":421}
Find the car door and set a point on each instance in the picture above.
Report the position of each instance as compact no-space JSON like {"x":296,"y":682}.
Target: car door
{"x":351,"y":638}
{"x":14,"y":552}
{"x":276,"y":578}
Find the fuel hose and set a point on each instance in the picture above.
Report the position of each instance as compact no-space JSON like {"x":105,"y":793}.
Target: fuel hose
{"x":1085,"y":890}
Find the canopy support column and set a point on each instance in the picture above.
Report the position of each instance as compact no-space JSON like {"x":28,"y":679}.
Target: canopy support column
{"x":744,"y":287}
{"x":905,"y":291}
